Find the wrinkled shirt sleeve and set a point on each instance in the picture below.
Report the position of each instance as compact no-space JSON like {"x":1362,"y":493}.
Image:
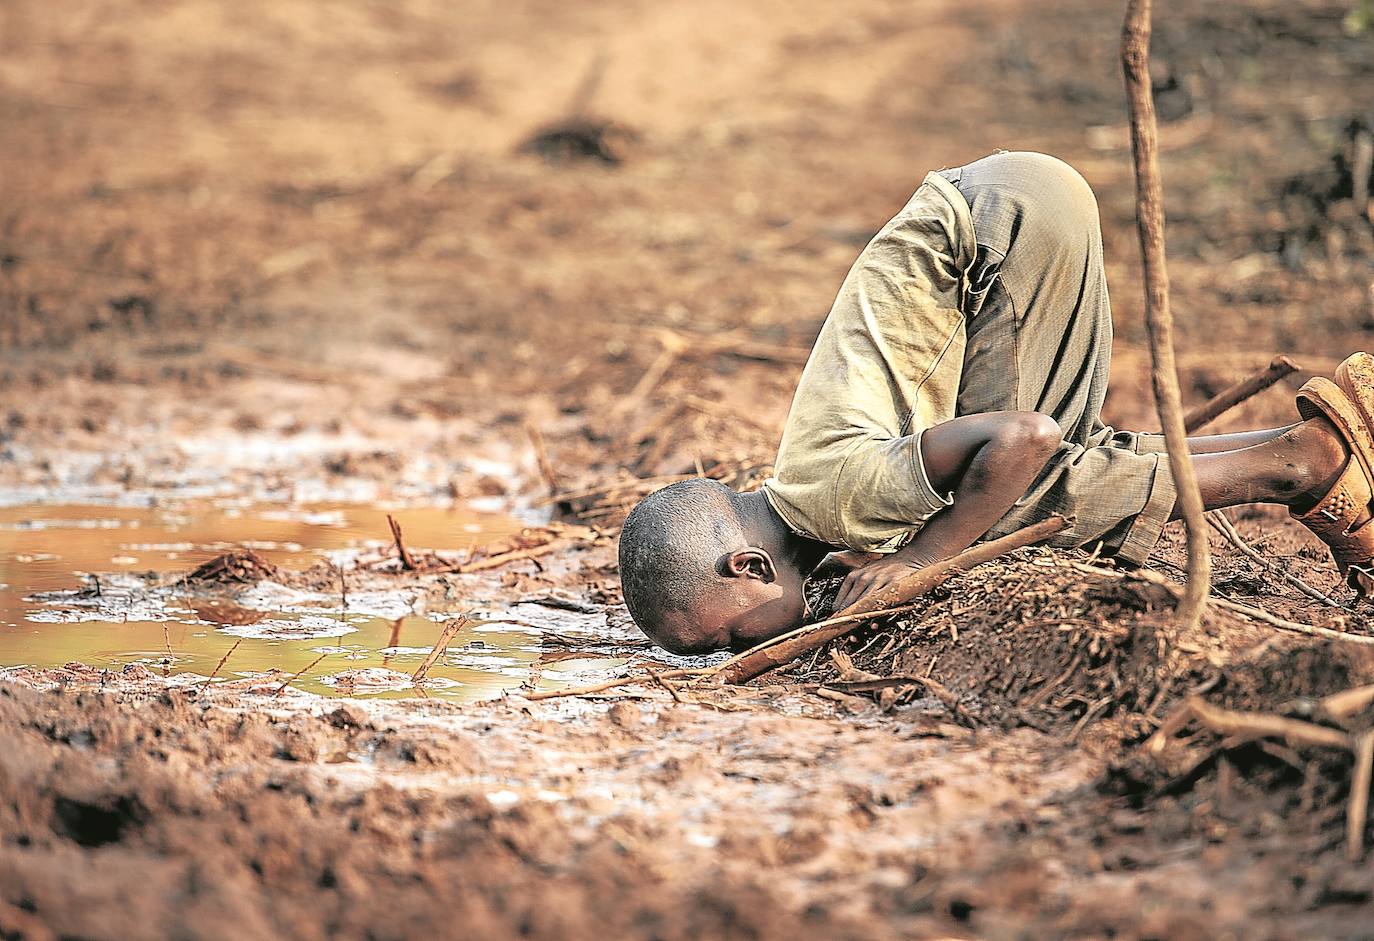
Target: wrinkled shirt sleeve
{"x":885,"y":367}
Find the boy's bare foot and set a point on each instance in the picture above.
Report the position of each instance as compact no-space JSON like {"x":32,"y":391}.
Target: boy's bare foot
{"x":1341,"y":517}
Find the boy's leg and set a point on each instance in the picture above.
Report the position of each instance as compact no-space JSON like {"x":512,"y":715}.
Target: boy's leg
{"x":1039,"y":339}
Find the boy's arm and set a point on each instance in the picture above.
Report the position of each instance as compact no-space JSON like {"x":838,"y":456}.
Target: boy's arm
{"x":988,"y":460}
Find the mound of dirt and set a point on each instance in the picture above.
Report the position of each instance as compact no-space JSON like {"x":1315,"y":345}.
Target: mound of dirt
{"x":237,"y":566}
{"x":1029,"y":641}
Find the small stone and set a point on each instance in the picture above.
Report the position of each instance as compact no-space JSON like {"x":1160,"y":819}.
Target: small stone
{"x":347,"y":717}
{"x":626,"y":715}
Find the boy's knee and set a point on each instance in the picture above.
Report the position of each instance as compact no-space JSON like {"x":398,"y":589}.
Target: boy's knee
{"x":1033,"y":434}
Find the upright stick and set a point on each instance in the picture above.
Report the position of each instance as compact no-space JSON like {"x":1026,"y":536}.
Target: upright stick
{"x":1159,"y":320}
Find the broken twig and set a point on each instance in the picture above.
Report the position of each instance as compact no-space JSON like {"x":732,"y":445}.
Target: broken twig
{"x":450,"y":631}
{"x":299,"y":673}
{"x":1223,"y":525}
{"x":1357,"y":812}
{"x":541,"y":456}
{"x":407,"y":562}
{"x":1225,"y":400}
{"x":223,"y":660}
{"x":613,"y":684}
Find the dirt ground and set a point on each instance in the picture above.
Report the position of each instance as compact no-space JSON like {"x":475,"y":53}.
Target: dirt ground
{"x":393,"y":250}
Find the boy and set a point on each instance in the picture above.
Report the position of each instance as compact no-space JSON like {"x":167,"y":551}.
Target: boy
{"x":954,"y":393}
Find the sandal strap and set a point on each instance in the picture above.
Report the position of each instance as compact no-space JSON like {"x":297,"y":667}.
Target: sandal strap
{"x":1333,"y":519}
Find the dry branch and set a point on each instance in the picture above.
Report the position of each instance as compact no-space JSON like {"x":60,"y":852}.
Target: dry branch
{"x":298,"y":674}
{"x":1159,"y":320}
{"x":1225,"y":400}
{"x":1347,"y":702}
{"x":1255,"y":614}
{"x":1222,"y":524}
{"x":1245,"y":726}
{"x":612,"y":684}
{"x":1357,"y":812}
{"x":451,"y":630}
{"x":223,"y":660}
{"x":496,"y":561}
{"x":407,"y":562}
{"x":541,"y":455}
{"x":788,"y":647}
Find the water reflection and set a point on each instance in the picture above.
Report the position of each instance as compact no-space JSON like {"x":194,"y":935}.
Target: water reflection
{"x":80,"y":583}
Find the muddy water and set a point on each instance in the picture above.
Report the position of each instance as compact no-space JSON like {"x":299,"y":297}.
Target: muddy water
{"x":75,"y":584}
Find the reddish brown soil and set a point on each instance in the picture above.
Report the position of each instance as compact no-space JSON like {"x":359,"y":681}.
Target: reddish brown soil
{"x":280,"y":248}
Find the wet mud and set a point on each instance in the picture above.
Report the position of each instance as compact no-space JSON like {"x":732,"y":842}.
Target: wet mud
{"x":270,"y":273}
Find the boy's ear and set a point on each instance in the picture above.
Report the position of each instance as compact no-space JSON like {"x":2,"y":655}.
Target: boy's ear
{"x":749,"y":562}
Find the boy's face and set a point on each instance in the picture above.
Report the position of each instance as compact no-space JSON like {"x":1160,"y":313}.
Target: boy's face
{"x":748,"y":609}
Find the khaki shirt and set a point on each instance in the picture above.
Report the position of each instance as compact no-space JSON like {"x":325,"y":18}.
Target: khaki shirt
{"x":885,"y":367}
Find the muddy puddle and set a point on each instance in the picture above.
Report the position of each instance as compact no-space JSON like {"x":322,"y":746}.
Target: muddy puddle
{"x":98,"y":584}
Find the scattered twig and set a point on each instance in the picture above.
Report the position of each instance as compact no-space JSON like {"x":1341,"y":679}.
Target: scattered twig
{"x":541,"y":456}
{"x":1283,"y":623}
{"x":1347,"y":702}
{"x":1245,"y":726}
{"x":1357,"y":812}
{"x":673,"y":347}
{"x":450,"y":631}
{"x":496,"y":561}
{"x":1239,"y":727}
{"x":1159,"y":321}
{"x":641,"y":484}
{"x":671,"y":688}
{"x":1230,"y":397}
{"x":712,"y":407}
{"x":778,"y":651}
{"x":1223,"y":525}
{"x":407,"y":562}
{"x":223,"y":660}
{"x":299,"y":673}
{"x":343,"y":589}
{"x":1255,"y":614}
{"x":612,"y":684}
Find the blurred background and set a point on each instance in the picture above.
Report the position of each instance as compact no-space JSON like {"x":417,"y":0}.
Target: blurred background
{"x":415,"y":230}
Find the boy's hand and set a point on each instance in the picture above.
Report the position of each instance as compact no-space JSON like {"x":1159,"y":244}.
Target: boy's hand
{"x":875,"y":576}
{"x":842,"y":562}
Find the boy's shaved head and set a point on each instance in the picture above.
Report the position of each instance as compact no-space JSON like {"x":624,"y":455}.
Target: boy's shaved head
{"x":670,"y":548}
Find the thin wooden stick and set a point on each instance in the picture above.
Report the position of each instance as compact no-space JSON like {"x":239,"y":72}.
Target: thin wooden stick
{"x":223,"y":660}
{"x":672,"y":690}
{"x":611,"y":684}
{"x":496,"y":561}
{"x":1358,"y":810}
{"x":1228,"y":398}
{"x":1347,"y":702}
{"x":407,"y":562}
{"x":299,"y":673}
{"x":541,"y":456}
{"x":1264,"y":725}
{"x":804,"y":629}
{"x":1223,"y":525}
{"x":450,"y":631}
{"x":673,"y":347}
{"x":770,"y":654}
{"x":1159,"y":321}
{"x":1255,"y":614}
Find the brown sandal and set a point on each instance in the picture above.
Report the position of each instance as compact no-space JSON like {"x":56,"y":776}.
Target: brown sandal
{"x":1334,"y":519}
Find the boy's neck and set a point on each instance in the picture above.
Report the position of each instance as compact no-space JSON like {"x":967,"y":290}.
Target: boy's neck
{"x":767,"y":529}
